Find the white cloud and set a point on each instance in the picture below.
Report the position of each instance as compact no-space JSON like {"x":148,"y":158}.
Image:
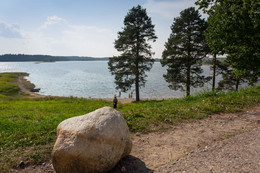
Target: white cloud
{"x":70,"y":39}
{"x":66,"y":39}
{"x":52,"y":20}
{"x":168,"y":9}
{"x":9,"y":30}
{"x":87,"y":40}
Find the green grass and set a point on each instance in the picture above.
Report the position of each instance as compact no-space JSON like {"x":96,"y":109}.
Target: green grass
{"x":28,"y":125}
{"x":8,"y":88}
{"x":155,"y":115}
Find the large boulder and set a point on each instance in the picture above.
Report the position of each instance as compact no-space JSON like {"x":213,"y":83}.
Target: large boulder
{"x":94,"y":142}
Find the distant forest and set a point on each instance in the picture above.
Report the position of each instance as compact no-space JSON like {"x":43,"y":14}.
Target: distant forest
{"x":49,"y":58}
{"x":45,"y":58}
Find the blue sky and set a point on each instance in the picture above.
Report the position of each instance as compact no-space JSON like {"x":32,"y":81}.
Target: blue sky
{"x":78,"y":27}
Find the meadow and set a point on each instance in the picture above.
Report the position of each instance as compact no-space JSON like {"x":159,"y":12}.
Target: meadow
{"x":28,"y":124}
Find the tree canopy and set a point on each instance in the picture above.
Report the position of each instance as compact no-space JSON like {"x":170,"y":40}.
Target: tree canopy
{"x":234,"y":29}
{"x":129,"y":68}
{"x":184,"y":51}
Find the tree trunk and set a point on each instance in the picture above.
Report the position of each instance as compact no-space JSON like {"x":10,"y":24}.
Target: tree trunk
{"x":137,"y":72}
{"x":137,"y":88}
{"x":237,"y":83}
{"x":188,"y":82}
{"x":214,"y":71}
{"x":188,"y":65}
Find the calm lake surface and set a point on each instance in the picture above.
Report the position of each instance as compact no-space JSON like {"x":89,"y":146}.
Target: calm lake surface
{"x":89,"y":79}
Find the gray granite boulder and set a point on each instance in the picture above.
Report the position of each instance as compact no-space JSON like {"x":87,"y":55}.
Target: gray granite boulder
{"x":94,"y":142}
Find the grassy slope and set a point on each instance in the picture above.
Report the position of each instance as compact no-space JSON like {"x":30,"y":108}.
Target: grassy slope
{"x":31,"y":123}
{"x":154,"y":115}
{"x":7,"y":87}
{"x":28,"y":125}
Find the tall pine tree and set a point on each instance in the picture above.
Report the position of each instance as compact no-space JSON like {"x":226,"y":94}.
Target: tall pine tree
{"x":129,"y":68}
{"x":184,"y":52}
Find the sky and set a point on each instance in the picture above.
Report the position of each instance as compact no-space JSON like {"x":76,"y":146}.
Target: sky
{"x":78,"y":27}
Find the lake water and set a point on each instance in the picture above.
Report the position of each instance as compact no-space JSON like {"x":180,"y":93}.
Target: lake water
{"x":89,"y":79}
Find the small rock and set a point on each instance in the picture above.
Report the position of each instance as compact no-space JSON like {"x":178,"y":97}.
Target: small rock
{"x":123,"y":169}
{"x":205,"y":149}
{"x":21,"y":165}
{"x":155,"y":155}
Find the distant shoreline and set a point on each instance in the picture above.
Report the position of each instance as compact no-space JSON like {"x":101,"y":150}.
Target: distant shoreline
{"x":49,"y":58}
{"x":26,"y":86}
{"x":46,"y":58}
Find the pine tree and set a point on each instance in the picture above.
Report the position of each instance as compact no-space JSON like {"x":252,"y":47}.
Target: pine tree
{"x":129,"y":68}
{"x":184,"y":51}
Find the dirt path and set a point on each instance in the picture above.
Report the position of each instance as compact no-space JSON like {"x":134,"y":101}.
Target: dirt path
{"x":238,"y":154}
{"x":190,"y":143}
{"x":163,"y":147}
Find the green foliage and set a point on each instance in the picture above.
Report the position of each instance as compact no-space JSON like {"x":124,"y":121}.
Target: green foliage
{"x":129,"y":68}
{"x":232,"y":78}
{"x":184,"y":51}
{"x":234,"y":30}
{"x":205,"y":5}
{"x":229,"y":80}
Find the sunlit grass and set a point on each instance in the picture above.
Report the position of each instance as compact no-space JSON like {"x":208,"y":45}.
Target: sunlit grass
{"x":8,"y":88}
{"x":30,"y":124}
{"x":149,"y":115}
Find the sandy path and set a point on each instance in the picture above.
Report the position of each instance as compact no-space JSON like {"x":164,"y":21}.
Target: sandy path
{"x":163,"y":147}
{"x":238,"y":154}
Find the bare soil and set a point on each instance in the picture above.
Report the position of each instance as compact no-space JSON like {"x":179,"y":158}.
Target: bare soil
{"x":220,"y":143}
{"x":238,"y":154}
